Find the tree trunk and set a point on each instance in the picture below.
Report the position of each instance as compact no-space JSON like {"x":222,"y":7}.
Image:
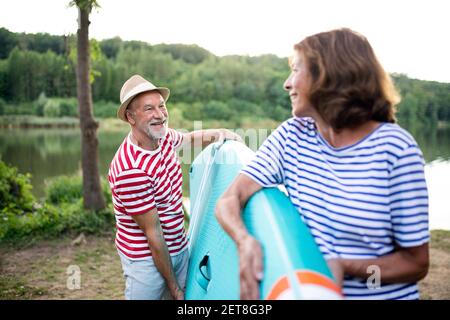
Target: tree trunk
{"x":92,"y":192}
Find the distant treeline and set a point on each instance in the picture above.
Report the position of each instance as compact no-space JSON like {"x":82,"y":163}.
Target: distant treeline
{"x":34,"y":67}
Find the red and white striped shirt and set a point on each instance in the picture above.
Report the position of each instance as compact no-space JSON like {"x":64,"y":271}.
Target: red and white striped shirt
{"x":142,"y":180}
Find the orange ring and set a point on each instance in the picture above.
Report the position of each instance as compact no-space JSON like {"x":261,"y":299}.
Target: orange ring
{"x":303,"y":277}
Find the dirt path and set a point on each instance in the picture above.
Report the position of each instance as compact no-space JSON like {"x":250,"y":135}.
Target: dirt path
{"x":42,"y":270}
{"x":436,"y":284}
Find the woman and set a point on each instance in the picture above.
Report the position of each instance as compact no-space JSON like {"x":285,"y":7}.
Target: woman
{"x":354,"y":175}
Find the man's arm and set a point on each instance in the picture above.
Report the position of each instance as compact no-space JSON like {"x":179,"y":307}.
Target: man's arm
{"x":150,"y":225}
{"x":402,"y":266}
{"x":208,"y":136}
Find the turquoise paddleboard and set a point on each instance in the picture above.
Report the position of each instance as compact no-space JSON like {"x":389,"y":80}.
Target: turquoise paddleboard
{"x":294,"y":268}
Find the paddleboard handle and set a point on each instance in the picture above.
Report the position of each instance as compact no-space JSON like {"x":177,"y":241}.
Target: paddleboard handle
{"x":203,"y":275}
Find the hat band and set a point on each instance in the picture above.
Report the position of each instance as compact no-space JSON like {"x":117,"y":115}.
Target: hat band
{"x":138,"y":89}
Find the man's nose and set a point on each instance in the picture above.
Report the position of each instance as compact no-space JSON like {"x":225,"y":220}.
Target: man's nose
{"x":159,"y":113}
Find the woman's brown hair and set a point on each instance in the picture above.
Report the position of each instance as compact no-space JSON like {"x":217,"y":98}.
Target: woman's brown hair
{"x":348,"y":85}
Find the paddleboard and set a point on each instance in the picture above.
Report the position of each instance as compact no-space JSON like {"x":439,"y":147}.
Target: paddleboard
{"x":294,"y":268}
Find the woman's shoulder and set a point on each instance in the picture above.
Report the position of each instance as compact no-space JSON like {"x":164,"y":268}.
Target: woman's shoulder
{"x":298,"y":125}
{"x":394,"y":133}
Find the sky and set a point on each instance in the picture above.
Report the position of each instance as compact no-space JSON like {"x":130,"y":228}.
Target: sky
{"x":408,"y":36}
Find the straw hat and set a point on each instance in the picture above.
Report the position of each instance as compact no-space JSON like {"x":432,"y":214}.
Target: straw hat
{"x":134,"y":86}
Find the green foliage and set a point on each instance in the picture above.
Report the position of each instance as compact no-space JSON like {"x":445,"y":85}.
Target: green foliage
{"x":64,"y":189}
{"x":51,"y":109}
{"x":204,"y":86}
{"x":22,"y":217}
{"x":105,"y":109}
{"x":68,"y":107}
{"x":110,"y":47}
{"x":85,"y":4}
{"x":2,"y":106}
{"x":192,"y":54}
{"x":8,"y":40}
{"x":423,"y":102}
{"x":30,"y":73}
{"x":69,"y":189}
{"x":51,"y":221}
{"x":15,"y":190}
{"x":40,"y":104}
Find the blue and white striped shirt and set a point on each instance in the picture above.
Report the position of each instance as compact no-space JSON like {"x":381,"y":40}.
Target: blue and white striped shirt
{"x":358,"y":201}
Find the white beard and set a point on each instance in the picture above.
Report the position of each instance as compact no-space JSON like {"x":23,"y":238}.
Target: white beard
{"x":156,"y":134}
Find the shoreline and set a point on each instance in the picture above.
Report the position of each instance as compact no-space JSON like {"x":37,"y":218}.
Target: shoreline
{"x":37,"y":270}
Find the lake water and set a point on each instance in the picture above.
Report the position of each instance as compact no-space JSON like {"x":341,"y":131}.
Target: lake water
{"x":47,"y":153}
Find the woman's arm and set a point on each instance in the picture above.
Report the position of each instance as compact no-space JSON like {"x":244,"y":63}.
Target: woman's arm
{"x":402,"y":266}
{"x":228,"y":213}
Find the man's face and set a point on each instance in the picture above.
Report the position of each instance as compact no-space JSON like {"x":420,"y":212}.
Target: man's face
{"x":149,"y":112}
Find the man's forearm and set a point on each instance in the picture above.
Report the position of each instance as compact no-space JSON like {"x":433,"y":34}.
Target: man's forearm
{"x":204,"y":137}
{"x":163,"y":262}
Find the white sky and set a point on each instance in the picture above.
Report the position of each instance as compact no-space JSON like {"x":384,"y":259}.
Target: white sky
{"x":409,"y":36}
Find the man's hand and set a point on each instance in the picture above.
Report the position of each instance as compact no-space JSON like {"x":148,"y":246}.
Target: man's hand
{"x":250,"y":267}
{"x":177,"y":294}
{"x":225,"y":134}
{"x":205,"y":137}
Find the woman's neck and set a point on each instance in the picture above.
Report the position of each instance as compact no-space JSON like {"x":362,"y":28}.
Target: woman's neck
{"x":347,"y":136}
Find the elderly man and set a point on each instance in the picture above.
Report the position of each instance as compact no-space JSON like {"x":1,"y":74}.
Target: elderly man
{"x":146,"y":183}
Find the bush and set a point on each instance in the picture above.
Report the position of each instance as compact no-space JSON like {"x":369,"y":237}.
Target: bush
{"x":69,"y":189}
{"x":68,"y":107}
{"x":22,"y":218}
{"x":64,"y":189}
{"x":105,"y":109}
{"x":40,"y":104}
{"x":50,"y":221}
{"x":51,"y":109}
{"x":15,"y":190}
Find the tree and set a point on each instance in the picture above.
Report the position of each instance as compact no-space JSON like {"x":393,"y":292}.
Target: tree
{"x":8,"y":40}
{"x":92,"y":192}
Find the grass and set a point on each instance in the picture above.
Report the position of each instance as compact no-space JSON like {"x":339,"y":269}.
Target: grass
{"x":39,"y":270}
{"x":436,"y":284}
{"x":25,"y":121}
{"x":115,"y":124}
{"x":441,"y":240}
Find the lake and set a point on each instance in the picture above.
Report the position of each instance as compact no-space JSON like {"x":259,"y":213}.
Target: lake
{"x":47,"y":153}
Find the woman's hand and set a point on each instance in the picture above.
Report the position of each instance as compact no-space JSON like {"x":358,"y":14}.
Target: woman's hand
{"x":337,"y":269}
{"x":250,"y":267}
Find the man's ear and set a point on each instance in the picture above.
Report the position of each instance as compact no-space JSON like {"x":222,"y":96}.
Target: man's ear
{"x":130,"y":117}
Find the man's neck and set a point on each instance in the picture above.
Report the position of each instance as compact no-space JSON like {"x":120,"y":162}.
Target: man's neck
{"x":143,"y":141}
